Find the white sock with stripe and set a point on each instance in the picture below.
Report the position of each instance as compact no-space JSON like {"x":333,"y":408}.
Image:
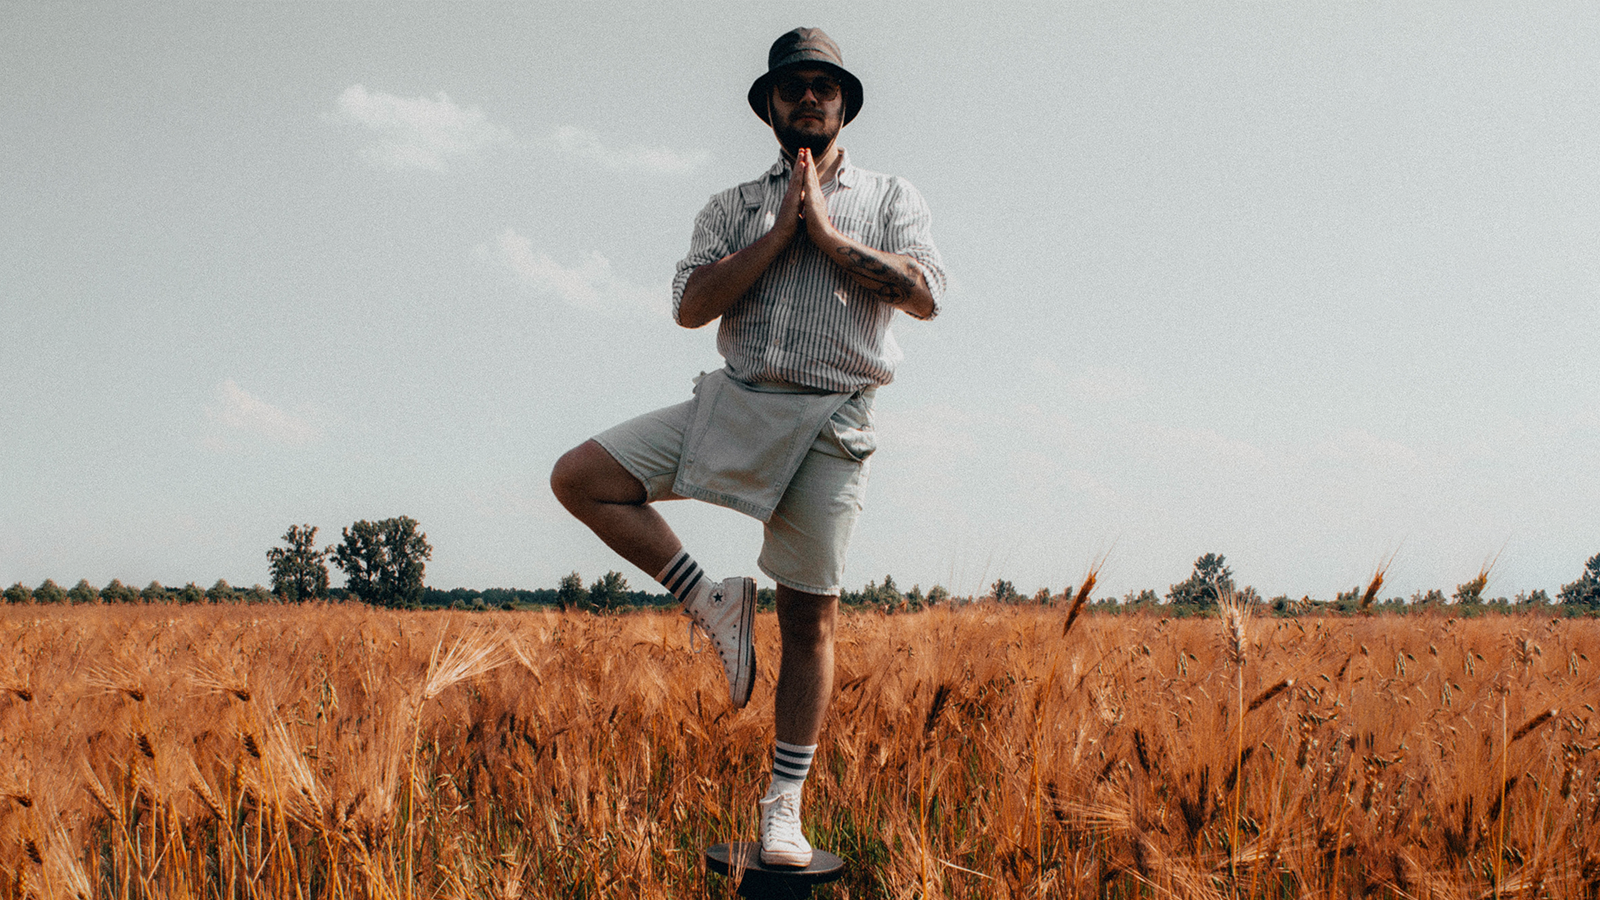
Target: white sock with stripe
{"x":791,"y":763}
{"x":684,"y":577}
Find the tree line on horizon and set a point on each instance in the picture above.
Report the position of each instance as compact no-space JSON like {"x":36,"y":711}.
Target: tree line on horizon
{"x":385,"y":562}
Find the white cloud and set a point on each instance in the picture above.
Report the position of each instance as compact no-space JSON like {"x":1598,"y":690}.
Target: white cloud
{"x":420,"y":133}
{"x":660,"y":160}
{"x":243,"y":415}
{"x":590,"y":285}
{"x":429,"y":132}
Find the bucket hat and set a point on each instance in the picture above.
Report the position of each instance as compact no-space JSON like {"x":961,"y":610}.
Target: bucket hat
{"x":801,"y":48}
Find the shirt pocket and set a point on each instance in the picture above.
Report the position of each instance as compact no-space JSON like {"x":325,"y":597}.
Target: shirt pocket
{"x":859,"y":229}
{"x":755,"y":215}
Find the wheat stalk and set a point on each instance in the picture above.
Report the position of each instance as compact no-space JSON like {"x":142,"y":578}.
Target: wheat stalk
{"x":1376,"y":584}
{"x":1084,"y":589}
{"x":1236,"y":609}
{"x":946,"y":729}
{"x":468,"y":658}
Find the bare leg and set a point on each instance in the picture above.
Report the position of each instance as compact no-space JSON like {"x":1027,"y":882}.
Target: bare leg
{"x":805,"y":672}
{"x":596,"y":489}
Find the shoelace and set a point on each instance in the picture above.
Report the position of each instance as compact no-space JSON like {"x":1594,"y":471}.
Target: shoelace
{"x":781,"y":819}
{"x":696,"y":629}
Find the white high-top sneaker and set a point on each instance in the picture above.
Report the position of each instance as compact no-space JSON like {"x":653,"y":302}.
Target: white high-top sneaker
{"x":782,"y":842}
{"x":727,"y":616}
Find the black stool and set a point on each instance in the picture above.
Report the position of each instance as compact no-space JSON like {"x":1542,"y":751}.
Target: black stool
{"x":761,"y":882}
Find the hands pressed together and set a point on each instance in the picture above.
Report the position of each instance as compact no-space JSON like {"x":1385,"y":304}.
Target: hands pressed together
{"x":804,"y":204}
{"x":889,"y":277}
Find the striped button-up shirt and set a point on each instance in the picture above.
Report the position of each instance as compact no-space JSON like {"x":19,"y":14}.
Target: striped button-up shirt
{"x":806,"y":321}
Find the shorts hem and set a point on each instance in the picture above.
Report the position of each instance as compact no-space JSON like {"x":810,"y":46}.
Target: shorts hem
{"x":794,"y":585}
{"x":628,"y":464}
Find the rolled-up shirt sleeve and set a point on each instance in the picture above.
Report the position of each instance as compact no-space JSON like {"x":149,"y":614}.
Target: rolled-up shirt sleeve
{"x":709,"y":244}
{"x":908,"y":231}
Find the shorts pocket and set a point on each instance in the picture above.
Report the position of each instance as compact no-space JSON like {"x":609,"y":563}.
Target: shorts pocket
{"x":852,"y":430}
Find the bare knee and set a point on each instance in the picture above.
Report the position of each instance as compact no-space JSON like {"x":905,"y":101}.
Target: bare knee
{"x":566,"y":477}
{"x":806,"y":621}
{"x":588,"y":474}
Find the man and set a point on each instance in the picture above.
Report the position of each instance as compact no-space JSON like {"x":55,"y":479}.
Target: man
{"x":804,"y":266}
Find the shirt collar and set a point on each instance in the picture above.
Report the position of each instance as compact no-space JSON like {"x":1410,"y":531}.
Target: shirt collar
{"x":846,"y":174}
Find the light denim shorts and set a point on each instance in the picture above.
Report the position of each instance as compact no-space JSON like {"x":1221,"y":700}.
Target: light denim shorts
{"x":806,"y":538}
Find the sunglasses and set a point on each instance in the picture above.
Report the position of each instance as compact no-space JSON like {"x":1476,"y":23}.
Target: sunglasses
{"x":793,"y":89}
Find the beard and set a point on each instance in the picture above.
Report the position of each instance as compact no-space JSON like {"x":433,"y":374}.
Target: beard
{"x":816,"y":139}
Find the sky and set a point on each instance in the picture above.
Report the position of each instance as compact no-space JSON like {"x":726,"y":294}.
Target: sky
{"x":1310,"y":285}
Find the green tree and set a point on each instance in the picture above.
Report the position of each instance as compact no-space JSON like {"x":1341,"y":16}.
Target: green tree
{"x":862,"y":597}
{"x":19,"y":593}
{"x":889,"y":594}
{"x":1201,"y":590}
{"x":299,"y":570}
{"x":384,"y":562}
{"x":84,"y":592}
{"x":937,"y":595}
{"x":191,"y":593}
{"x":1434,"y":597}
{"x":609,"y":592}
{"x":153,"y":593}
{"x":1537,"y":597}
{"x":1471,"y":593}
{"x":1584,"y":594}
{"x":1004,"y":591}
{"x":1143,"y":599}
{"x":221,"y":592}
{"x":570,"y":593}
{"x":49,"y":592}
{"x":117,"y":592}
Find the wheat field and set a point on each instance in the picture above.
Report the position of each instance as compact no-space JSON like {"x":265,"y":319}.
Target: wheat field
{"x":332,"y":751}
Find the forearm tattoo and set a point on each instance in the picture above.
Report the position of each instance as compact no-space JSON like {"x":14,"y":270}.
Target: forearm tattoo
{"x":888,"y":282}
